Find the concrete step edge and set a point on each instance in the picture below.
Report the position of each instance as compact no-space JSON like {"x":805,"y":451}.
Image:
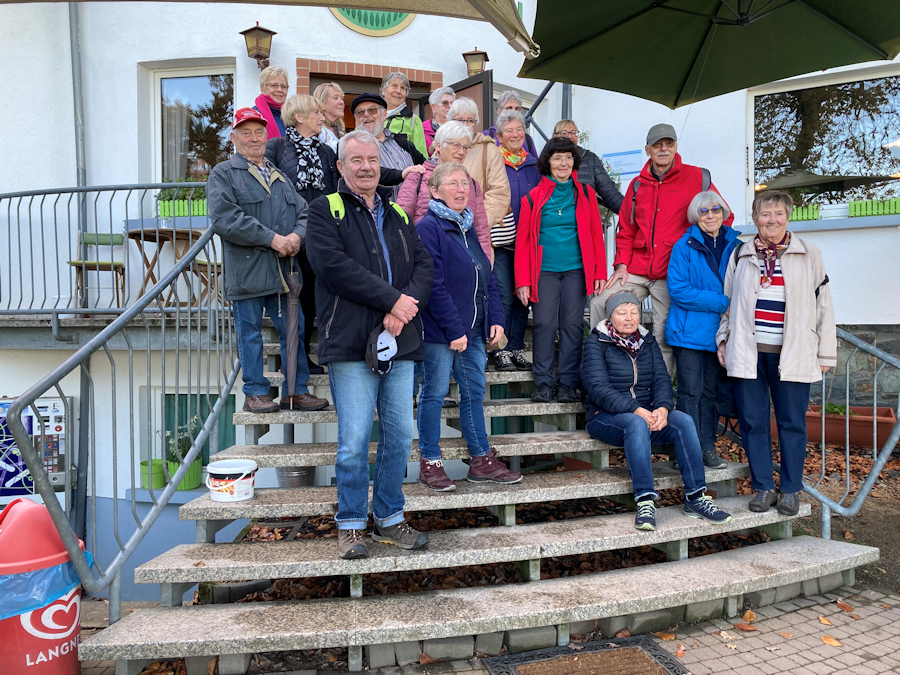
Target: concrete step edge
{"x":492,"y":377}
{"x":448,"y":548}
{"x":274,"y":626}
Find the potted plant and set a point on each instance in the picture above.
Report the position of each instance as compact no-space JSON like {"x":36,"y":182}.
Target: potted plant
{"x":861,"y":424}
{"x":178,"y":446}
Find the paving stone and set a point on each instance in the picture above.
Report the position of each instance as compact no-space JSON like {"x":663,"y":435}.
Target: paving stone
{"x":676,"y":615}
{"x":582,"y":627}
{"x":761,"y":598}
{"x":380,"y":656}
{"x":233,"y":664}
{"x":611,"y":625}
{"x":786,"y":606}
{"x":527,"y":639}
{"x":803,"y":602}
{"x":489,"y":643}
{"x":407,"y":652}
{"x":704,"y":611}
{"x":649,"y":622}
{"x":788,"y":591}
{"x":453,"y":648}
{"x":809,"y":587}
{"x":869,"y":594}
{"x":769,"y":611}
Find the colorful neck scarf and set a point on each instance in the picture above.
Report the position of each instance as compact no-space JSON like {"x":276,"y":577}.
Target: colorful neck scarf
{"x":309,"y":164}
{"x":268,"y":108}
{"x":769,"y":254}
{"x":441,"y":210}
{"x":630,"y":343}
{"x":513,"y":160}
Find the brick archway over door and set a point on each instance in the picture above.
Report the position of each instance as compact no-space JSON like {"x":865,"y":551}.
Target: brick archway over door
{"x":318,"y":68}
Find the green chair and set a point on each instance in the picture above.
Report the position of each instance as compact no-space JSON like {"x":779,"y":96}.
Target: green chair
{"x":115,"y":267}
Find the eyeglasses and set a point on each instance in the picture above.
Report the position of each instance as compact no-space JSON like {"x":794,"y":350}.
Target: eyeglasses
{"x":561,"y":159}
{"x":569,"y":134}
{"x":469,"y":121}
{"x":272,"y":85}
{"x":457,"y":145}
{"x":445,"y":104}
{"x":456,"y":184}
{"x":371,"y":112}
{"x":714,"y":209}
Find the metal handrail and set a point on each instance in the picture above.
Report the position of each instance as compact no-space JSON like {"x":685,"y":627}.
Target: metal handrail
{"x":219,"y":332}
{"x":830,"y":505}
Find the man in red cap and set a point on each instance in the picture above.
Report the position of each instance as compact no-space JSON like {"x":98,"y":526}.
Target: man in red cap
{"x":262,"y":221}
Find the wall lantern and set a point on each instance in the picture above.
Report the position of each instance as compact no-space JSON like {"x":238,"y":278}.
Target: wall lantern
{"x":259,"y":44}
{"x":475,"y":60}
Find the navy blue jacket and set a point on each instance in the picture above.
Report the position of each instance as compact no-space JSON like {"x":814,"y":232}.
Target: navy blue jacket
{"x":616,"y":382}
{"x":451,"y":307}
{"x":521,"y":182}
{"x":696,"y":290}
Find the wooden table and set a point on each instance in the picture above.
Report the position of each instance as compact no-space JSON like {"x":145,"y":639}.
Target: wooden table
{"x":181,"y":241}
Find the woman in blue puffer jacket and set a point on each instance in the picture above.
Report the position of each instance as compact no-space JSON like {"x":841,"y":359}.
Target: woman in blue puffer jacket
{"x":695,"y":281}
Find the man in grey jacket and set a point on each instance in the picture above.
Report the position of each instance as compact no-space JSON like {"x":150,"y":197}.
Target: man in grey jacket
{"x":262,"y":221}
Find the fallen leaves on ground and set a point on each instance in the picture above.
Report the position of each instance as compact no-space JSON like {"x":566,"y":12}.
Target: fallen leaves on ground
{"x":212,"y":666}
{"x":176,"y":667}
{"x":855,"y":617}
{"x":668,"y":637}
{"x":749,"y":616}
{"x":746,"y":627}
{"x":264,"y":533}
{"x":624,"y":633}
{"x":884,"y":605}
{"x":574,"y":646}
{"x":426,"y":660}
{"x":680,"y":651}
{"x":730,"y":646}
{"x":725,"y":635}
{"x":199,"y":563}
{"x":833,"y":641}
{"x":848,"y":535}
{"x":786,"y":636}
{"x":843,"y":606}
{"x":824,"y":621}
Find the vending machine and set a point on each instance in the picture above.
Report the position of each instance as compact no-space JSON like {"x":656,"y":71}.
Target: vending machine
{"x":52,"y":446}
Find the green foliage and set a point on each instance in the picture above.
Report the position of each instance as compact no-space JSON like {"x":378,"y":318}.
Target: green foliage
{"x":170,"y":194}
{"x":835,"y":409}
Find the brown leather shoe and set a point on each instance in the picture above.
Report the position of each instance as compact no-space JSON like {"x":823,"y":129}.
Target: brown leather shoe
{"x":260,"y":404}
{"x":305,"y":402}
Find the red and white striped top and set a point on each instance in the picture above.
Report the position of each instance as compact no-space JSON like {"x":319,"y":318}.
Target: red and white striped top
{"x":769,"y":315}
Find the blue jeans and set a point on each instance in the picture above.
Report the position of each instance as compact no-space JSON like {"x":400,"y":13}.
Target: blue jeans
{"x":357,"y":392}
{"x":630,"y":430}
{"x":468,"y":369}
{"x":248,"y":324}
{"x":514,"y":312}
{"x":698,"y":390}
{"x":790,"y":400}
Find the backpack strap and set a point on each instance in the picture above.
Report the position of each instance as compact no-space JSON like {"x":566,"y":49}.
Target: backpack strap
{"x":635,"y":184}
{"x":824,"y":281}
{"x":707,"y":181}
{"x":336,"y":206}
{"x":400,"y":210}
{"x":737,"y":254}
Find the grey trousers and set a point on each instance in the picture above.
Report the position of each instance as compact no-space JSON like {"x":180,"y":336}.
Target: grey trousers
{"x":560,"y":309}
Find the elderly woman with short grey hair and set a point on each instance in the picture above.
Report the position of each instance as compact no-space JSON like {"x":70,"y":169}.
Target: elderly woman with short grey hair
{"x":510,"y":101}
{"x":483,"y":162}
{"x":696,"y":287}
{"x":273,"y":86}
{"x":400,"y":117}
{"x":440,"y":101}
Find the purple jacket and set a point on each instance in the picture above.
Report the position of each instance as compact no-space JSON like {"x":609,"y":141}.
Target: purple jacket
{"x":521,"y":182}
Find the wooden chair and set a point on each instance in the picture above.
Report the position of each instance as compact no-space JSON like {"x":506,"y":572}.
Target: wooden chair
{"x":211,"y":280}
{"x":115,"y":267}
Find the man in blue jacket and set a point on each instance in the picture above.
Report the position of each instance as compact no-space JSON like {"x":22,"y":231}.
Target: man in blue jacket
{"x":262,"y":221}
{"x":372,"y":274}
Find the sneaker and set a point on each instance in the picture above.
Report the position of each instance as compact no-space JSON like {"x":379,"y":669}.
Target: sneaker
{"x":788,"y":503}
{"x":542,"y":394}
{"x":449,"y":403}
{"x":519,"y":360}
{"x":433,"y":476}
{"x":712,"y":460}
{"x":488,"y":469}
{"x":261,"y":404}
{"x":762,"y":501}
{"x":503,"y":360}
{"x":401,"y":535}
{"x":705,"y":508}
{"x":304,"y":402}
{"x":566,"y":394}
{"x":352,"y":544}
{"x":646,"y":516}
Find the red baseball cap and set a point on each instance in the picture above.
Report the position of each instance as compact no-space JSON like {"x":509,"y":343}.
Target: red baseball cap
{"x":248,"y":115}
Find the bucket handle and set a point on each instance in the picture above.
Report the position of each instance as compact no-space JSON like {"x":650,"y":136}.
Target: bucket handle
{"x":225,"y":486}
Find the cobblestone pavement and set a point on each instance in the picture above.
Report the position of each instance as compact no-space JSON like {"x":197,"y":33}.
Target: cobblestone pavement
{"x":787,"y":639}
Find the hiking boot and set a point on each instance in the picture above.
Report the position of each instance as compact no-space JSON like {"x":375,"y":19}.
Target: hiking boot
{"x":788,"y":503}
{"x":449,"y":403}
{"x":646,"y":516}
{"x":304,"y":402}
{"x":260,"y":404}
{"x":488,"y":469}
{"x":542,"y":394}
{"x":762,"y":501}
{"x":503,"y":360}
{"x":566,"y":394}
{"x":704,"y":507}
{"x":519,"y":360}
{"x":352,"y":545}
{"x":401,"y":535}
{"x":315,"y":368}
{"x":712,"y":460}
{"x":433,"y":476}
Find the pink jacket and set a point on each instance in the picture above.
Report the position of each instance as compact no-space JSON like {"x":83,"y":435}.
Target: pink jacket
{"x":414,"y":196}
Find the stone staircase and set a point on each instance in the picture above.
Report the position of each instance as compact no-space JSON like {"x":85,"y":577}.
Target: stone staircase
{"x":396,"y":629}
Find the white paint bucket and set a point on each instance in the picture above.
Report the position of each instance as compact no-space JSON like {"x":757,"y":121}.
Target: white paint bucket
{"x":231,"y":480}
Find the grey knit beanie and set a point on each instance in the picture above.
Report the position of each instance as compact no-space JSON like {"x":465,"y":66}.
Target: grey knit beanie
{"x":621,"y":299}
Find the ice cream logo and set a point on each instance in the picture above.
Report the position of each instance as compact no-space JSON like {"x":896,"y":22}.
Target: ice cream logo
{"x":56,"y":621}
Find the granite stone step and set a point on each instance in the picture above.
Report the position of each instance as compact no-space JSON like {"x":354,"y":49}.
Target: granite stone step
{"x":505,"y":445}
{"x":274,"y":349}
{"x":246,"y":628}
{"x":447,"y":548}
{"x":491,"y":377}
{"x":509,"y":407}
{"x":537,"y":487}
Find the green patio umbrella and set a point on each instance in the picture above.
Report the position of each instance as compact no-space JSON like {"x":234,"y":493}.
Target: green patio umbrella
{"x":813,"y":182}
{"x":676,"y":52}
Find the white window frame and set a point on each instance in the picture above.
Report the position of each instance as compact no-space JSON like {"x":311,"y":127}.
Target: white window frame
{"x":836,"y":76}
{"x":156,"y":101}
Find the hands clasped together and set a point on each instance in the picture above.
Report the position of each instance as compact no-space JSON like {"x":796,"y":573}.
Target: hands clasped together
{"x":656,"y":420}
{"x":287,"y":246}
